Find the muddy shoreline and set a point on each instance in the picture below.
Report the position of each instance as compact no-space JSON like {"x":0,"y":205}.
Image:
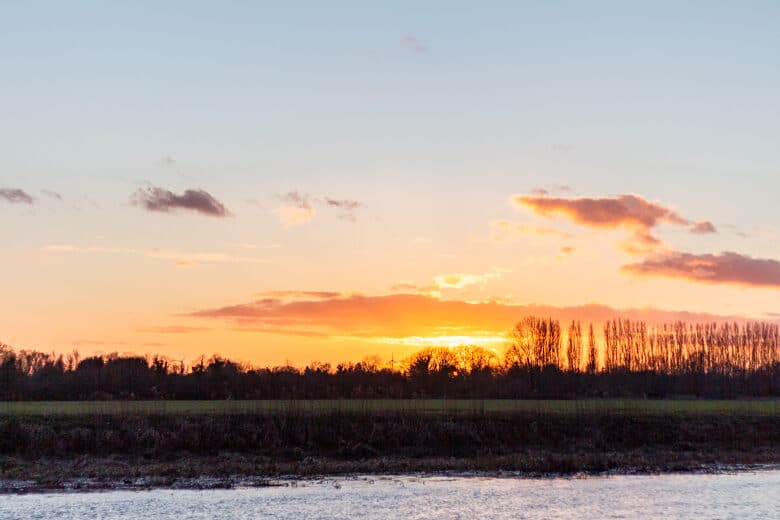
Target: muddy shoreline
{"x":231,"y":471}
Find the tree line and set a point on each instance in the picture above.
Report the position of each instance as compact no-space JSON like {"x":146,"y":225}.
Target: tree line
{"x":623,"y":358}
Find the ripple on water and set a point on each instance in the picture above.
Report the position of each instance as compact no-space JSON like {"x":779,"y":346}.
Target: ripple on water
{"x":736,"y":495}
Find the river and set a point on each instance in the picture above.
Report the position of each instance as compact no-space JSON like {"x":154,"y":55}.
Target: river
{"x":723,"y":495}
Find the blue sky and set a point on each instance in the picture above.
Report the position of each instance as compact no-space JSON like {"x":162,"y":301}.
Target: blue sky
{"x":430,"y":114}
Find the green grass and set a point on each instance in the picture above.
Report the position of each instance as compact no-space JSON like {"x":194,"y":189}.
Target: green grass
{"x":762,"y":407}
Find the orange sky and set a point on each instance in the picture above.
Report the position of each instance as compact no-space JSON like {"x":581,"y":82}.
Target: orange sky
{"x":330,"y":290}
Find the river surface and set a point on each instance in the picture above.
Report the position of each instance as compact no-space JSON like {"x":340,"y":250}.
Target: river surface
{"x":737,"y":495}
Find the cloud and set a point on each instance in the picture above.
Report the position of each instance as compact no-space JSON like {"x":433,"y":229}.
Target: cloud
{"x":52,"y":195}
{"x":411,"y":43}
{"x":298,"y":211}
{"x":411,"y":287}
{"x":630,"y":212}
{"x":347,"y":208}
{"x":164,"y":201}
{"x":641,"y":243}
{"x":409,"y":315}
{"x":445,"y":281}
{"x":461,"y":280}
{"x":298,"y":295}
{"x":296,"y":199}
{"x":703,"y":227}
{"x":16,"y":196}
{"x":567,"y":250}
{"x":724,"y":268}
{"x":299,"y":208}
{"x":181,"y":258}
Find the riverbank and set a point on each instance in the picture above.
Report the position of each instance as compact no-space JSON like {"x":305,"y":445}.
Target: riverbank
{"x":237,"y":471}
{"x":142,"y":451}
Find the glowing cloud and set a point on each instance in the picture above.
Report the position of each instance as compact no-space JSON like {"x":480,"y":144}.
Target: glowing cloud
{"x":412,"y":316}
{"x":630,"y":212}
{"x":461,"y":280}
{"x":298,"y":295}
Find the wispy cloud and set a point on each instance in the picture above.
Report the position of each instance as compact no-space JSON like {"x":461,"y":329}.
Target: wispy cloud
{"x":16,"y":196}
{"x":412,"y":44}
{"x":412,"y":287}
{"x":297,"y":211}
{"x":297,"y":295}
{"x":52,"y":195}
{"x":347,"y":208}
{"x":161,"y":200}
{"x":180,"y":258}
{"x":299,"y":208}
{"x":447,"y":281}
{"x":461,"y":280}
{"x":724,"y":268}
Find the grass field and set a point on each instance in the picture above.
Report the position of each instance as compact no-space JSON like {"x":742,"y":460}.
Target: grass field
{"x":761,"y":407}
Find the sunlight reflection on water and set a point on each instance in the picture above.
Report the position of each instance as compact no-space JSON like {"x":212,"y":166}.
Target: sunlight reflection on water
{"x":740,"y":495}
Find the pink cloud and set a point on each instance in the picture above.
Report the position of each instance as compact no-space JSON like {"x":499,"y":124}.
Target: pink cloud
{"x":724,"y":268}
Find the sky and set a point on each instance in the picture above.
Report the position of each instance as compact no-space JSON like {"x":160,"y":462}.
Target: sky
{"x":283,"y":182}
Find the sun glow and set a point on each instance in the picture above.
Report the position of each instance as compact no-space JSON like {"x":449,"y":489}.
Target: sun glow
{"x":446,"y":341}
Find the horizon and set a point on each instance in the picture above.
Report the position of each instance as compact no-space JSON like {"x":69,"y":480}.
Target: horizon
{"x":275,"y":184}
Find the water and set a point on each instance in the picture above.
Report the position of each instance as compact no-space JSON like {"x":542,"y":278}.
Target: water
{"x":740,"y":495}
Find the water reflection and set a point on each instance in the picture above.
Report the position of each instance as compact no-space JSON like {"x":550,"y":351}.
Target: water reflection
{"x":740,"y":495}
